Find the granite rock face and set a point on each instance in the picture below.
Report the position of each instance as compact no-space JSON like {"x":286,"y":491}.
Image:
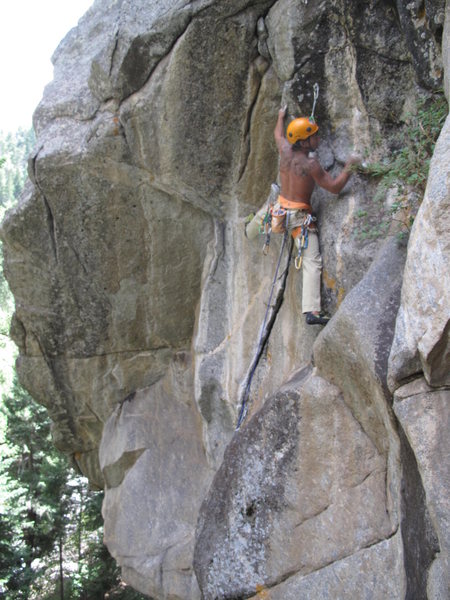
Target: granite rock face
{"x":139,"y":300}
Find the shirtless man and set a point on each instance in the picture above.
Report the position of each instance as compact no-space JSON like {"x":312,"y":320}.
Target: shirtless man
{"x":298,"y":176}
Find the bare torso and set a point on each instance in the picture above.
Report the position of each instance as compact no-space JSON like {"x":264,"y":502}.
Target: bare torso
{"x":299,"y":173}
{"x":297,"y":183}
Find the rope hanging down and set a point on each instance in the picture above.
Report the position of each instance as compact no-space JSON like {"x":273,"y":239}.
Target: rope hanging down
{"x":263,"y":334}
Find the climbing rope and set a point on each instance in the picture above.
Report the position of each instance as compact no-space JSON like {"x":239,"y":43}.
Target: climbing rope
{"x":262,"y":338}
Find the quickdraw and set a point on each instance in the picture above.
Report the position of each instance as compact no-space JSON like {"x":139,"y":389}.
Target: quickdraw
{"x":316,"y":95}
{"x":265,"y":223}
{"x":266,"y":228}
{"x":303,"y":243}
{"x":273,"y":222}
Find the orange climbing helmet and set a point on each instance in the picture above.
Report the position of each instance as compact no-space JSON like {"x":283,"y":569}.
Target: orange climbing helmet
{"x":301,"y":129}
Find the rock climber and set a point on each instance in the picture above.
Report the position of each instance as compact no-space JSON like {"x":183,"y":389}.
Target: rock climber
{"x":299,"y":173}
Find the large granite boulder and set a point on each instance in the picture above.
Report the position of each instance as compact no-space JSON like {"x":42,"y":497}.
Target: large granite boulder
{"x":139,"y":300}
{"x":301,"y":487}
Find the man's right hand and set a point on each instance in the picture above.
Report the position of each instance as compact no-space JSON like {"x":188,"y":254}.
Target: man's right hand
{"x":354,"y":159}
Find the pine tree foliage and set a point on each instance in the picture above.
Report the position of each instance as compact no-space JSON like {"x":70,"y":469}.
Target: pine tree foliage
{"x":15,"y":149}
{"x":50,"y":522}
{"x":37,"y":495}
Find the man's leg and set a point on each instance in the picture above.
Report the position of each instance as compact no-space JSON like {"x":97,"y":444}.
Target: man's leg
{"x":312,"y":271}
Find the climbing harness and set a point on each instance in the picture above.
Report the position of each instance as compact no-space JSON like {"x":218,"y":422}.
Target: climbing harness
{"x":303,"y":243}
{"x":263,"y":334}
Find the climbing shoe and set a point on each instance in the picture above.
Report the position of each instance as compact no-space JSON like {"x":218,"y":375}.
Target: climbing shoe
{"x":320,"y":319}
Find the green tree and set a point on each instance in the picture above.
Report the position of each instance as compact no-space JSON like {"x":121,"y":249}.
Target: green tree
{"x":35,"y":479}
{"x":15,"y":149}
{"x":50,"y":522}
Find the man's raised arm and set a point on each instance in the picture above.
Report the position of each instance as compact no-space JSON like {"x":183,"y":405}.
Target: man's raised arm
{"x":279,"y":127}
{"x":329,"y":183}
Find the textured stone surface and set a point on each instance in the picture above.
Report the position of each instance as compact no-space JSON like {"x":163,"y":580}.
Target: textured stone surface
{"x":446,"y":50}
{"x":301,"y":486}
{"x":353,"y":350}
{"x":424,"y":414}
{"x":361,"y":575}
{"x":155,"y":468}
{"x":133,"y":279}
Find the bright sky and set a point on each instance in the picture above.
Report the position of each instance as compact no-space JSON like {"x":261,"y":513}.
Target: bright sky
{"x":30,"y":31}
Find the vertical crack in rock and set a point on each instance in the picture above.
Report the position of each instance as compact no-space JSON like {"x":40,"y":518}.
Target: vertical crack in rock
{"x":114,"y":50}
{"x":266,"y":328}
{"x":219,"y":229}
{"x":61,"y":406}
{"x":247,"y":129}
{"x":420,"y":542}
{"x":78,"y":259}
{"x":50,"y":217}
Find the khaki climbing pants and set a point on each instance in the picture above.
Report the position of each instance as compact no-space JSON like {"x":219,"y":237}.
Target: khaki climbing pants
{"x":312,"y":271}
{"x":311,"y":264}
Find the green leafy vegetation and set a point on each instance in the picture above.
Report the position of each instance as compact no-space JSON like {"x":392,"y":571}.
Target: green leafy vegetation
{"x":51,"y":530}
{"x":403,"y":175}
{"x":50,"y":522}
